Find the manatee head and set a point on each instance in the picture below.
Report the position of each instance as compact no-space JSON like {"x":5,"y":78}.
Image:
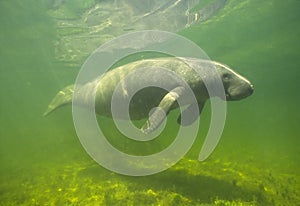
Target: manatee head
{"x":236,"y":86}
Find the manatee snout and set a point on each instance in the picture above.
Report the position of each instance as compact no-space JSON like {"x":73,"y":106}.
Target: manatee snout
{"x":236,"y":86}
{"x":239,"y":91}
{"x":251,"y":89}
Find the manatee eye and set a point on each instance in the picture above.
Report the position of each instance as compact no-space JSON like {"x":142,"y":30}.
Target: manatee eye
{"x":226,"y":77}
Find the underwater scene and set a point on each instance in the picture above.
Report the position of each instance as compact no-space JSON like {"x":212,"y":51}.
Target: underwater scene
{"x":44,"y":46}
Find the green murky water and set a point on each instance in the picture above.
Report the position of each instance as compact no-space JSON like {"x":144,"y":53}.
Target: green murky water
{"x":255,"y":163}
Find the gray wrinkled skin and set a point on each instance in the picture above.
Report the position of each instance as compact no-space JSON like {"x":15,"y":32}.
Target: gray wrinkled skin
{"x":236,"y":87}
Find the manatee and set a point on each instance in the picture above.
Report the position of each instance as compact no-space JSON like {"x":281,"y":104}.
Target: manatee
{"x":236,"y":87}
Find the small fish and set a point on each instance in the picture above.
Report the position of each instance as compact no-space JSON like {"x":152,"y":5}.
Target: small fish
{"x":208,"y":11}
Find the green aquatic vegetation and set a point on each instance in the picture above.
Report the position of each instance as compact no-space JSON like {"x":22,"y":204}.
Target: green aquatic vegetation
{"x":214,"y":182}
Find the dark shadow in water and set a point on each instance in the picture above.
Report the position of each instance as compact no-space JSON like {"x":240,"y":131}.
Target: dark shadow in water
{"x":198,"y":188}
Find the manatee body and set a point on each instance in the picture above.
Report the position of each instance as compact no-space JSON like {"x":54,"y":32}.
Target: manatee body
{"x":168,"y":73}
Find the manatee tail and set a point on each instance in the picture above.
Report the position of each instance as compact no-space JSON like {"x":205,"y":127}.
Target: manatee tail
{"x":62,"y":98}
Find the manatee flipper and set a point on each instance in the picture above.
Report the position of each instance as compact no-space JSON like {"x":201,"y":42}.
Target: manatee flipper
{"x":159,"y":114}
{"x":62,"y":98}
{"x":191,"y":112}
